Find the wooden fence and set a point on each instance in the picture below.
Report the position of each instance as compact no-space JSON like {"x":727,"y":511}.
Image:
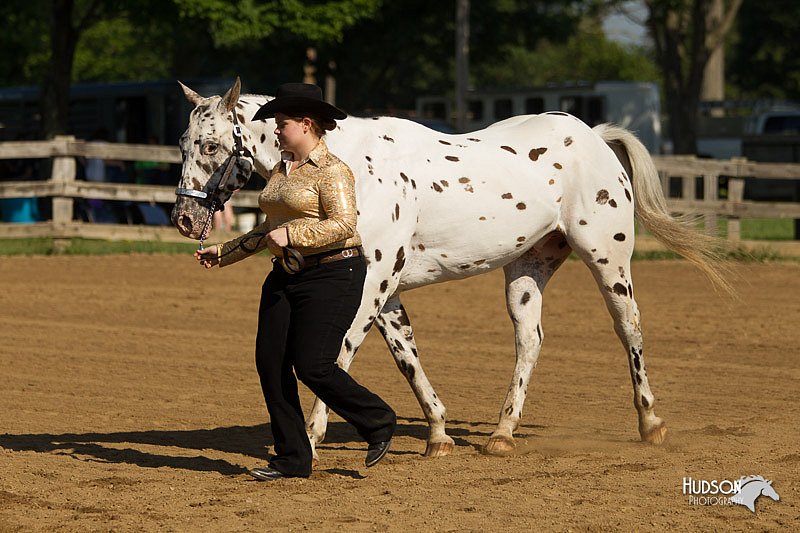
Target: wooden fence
{"x":63,"y":189}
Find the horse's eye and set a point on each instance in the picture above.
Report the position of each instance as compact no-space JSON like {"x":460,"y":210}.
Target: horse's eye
{"x":210,"y":148}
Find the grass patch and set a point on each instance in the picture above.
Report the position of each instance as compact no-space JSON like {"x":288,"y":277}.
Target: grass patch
{"x":759,"y":254}
{"x":76,"y":246}
{"x":762,"y":229}
{"x":654,"y":255}
{"x":46,"y":246}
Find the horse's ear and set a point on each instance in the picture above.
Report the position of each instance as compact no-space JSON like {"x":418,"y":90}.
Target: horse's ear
{"x":769,"y":482}
{"x":232,"y":96}
{"x":192,"y":96}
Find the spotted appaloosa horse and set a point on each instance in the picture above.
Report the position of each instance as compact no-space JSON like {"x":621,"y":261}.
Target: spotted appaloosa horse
{"x":520,"y":195}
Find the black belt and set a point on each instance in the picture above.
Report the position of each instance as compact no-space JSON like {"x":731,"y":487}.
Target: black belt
{"x":297,"y":263}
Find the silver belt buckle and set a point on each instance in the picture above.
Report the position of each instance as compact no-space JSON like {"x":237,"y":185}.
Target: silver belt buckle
{"x":347,"y":254}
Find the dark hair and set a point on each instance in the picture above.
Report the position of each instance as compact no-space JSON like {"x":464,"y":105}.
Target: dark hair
{"x":318,"y":126}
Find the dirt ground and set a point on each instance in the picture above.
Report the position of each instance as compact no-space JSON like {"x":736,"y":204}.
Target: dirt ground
{"x":129,"y":401}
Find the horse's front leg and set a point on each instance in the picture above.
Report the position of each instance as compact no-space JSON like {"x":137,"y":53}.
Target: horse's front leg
{"x":395,"y":326}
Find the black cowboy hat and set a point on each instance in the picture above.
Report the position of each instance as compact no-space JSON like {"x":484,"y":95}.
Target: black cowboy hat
{"x":298,"y":99}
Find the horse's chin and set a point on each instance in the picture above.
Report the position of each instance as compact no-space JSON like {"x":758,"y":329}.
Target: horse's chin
{"x":189,"y":218}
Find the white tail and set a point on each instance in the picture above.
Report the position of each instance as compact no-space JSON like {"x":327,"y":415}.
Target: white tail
{"x":678,"y":234}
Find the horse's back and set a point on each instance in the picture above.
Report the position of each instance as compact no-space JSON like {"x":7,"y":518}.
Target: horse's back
{"x":459,"y":205}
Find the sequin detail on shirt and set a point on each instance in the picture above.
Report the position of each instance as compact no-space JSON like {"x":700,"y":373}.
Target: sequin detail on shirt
{"x":316,"y":202}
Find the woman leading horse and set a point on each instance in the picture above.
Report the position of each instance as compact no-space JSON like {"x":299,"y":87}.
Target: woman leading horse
{"x":311,"y":296}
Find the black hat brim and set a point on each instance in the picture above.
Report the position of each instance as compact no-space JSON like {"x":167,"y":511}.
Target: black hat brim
{"x":299,"y":106}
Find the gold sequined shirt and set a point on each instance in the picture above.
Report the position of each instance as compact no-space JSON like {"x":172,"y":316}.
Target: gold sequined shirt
{"x":316,"y":202}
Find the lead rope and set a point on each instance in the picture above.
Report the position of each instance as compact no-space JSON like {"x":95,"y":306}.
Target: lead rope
{"x":204,"y":233}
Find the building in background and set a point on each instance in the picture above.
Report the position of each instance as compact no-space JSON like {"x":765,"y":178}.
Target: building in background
{"x":132,"y":112}
{"x":631,"y":104}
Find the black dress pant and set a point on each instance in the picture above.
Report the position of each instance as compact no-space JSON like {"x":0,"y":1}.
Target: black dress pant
{"x":302,"y":321}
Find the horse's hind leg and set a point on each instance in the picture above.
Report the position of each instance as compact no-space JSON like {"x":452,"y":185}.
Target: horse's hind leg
{"x":393,"y":323}
{"x":526,"y":278}
{"x":609,"y":261}
{"x":395,"y":327}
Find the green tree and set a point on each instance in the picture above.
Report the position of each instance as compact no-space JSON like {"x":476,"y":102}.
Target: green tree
{"x":685,"y":33}
{"x":229,"y":23}
{"x":233,"y":22}
{"x":585,"y":56}
{"x":124,"y":47}
{"x":766,"y":64}
{"x":23,"y":40}
{"x":68,"y":21}
{"x":407,"y":49}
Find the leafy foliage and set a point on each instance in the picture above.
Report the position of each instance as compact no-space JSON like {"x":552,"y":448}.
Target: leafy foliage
{"x":585,"y":56}
{"x":119,"y":49}
{"x":766,"y":64}
{"x":407,"y":49}
{"x":238,"y":21}
{"x":24,"y":41}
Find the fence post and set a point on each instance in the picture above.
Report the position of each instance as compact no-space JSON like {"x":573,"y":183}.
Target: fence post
{"x":711,"y":194}
{"x":735,"y":195}
{"x":688,"y":190}
{"x":63,"y":172}
{"x":687,"y":187}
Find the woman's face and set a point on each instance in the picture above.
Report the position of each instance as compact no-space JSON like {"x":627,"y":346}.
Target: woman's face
{"x":291,"y":133}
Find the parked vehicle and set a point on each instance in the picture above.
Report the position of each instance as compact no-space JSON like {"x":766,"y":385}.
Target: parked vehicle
{"x":779,"y":121}
{"x":773,"y":136}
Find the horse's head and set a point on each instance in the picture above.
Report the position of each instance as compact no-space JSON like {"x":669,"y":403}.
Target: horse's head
{"x":769,"y":492}
{"x":216,"y":160}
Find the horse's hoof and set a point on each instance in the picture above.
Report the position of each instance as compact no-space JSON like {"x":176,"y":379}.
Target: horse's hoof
{"x":499,"y":446}
{"x":439,"y":449}
{"x":314,"y":462}
{"x":655,"y":435}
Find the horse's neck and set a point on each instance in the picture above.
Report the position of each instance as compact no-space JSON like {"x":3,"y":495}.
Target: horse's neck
{"x":265,"y":153}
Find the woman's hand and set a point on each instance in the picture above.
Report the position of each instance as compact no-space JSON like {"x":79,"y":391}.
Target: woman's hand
{"x":276,"y":240}
{"x":208,"y":257}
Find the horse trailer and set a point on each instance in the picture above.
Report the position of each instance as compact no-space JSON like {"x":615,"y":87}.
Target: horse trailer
{"x":634,"y":105}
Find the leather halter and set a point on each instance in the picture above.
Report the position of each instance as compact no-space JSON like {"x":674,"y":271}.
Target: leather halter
{"x":213,"y":190}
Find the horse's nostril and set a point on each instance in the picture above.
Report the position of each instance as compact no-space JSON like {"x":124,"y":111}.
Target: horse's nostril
{"x":185,"y":223}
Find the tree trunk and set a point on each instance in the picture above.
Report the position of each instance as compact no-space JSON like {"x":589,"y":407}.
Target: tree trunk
{"x":685,"y":33}
{"x":54,"y":101}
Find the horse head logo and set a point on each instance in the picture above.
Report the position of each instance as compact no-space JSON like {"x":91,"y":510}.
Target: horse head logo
{"x":751,"y":488}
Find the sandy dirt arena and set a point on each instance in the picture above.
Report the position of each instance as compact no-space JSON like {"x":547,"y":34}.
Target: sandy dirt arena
{"x":129,"y":401}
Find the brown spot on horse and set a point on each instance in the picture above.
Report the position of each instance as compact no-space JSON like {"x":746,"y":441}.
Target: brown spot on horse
{"x":535,"y":153}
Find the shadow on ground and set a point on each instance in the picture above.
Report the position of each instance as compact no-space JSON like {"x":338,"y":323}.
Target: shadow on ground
{"x":246,"y":440}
